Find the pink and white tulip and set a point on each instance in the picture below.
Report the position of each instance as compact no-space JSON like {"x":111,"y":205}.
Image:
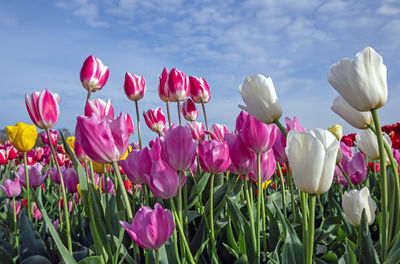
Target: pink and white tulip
{"x":217,"y":132}
{"x":99,"y":107}
{"x":43,"y":108}
{"x":3,"y":156}
{"x":94,"y":74}
{"x":178,"y":85}
{"x":189,"y":110}
{"x":197,"y":130}
{"x":155,"y":119}
{"x":163,"y":91}
{"x":53,"y":137}
{"x":214,"y":156}
{"x":134,"y":86}
{"x":199,"y":90}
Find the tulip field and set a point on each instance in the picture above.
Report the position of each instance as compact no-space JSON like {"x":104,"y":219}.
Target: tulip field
{"x":269,"y":191}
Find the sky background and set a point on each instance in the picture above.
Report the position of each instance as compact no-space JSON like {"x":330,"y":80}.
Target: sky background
{"x":44,"y":43}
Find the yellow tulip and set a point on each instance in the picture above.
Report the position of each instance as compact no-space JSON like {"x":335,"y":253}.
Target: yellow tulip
{"x":22,"y":136}
{"x":337,"y":131}
{"x":70,"y":142}
{"x":99,"y":167}
{"x":265,"y":184}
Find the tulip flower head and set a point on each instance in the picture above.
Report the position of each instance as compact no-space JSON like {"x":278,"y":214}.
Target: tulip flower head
{"x":155,"y":119}
{"x":197,"y":130}
{"x":35,"y":175}
{"x":355,"y":118}
{"x":12,"y":188}
{"x":99,"y":107}
{"x":199,"y":90}
{"x":178,"y":85}
{"x":22,"y":136}
{"x":129,"y":123}
{"x":163,"y":91}
{"x":134,"y":86}
{"x":94,"y":74}
{"x":214,"y":156}
{"x":12,"y":152}
{"x":217,"y":132}
{"x":189,"y":110}
{"x":337,"y":131}
{"x":53,"y":137}
{"x":43,"y":108}
{"x":354,"y":202}
{"x":268,"y":165}
{"x":242,"y":158}
{"x":3,"y":156}
{"x":137,"y":165}
{"x":367,"y":142}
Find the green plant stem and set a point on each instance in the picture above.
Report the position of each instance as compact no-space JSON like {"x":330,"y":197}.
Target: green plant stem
{"x":346,"y":176}
{"x":180,"y":210}
{"x":384,"y":194}
{"x":138,"y":124}
{"x":321,"y":207}
{"x":259,"y":192}
{"x":175,"y":235}
{"x":178,"y":104}
{"x":124,"y":194}
{"x":264,"y":224}
{"x":168,"y":114}
{"x":280,"y":126}
{"x":15,"y":225}
{"x":213,"y":246}
{"x":251,"y":211}
{"x":28,"y":196}
{"x":205,"y":114}
{"x":292,"y":201}
{"x":282,"y":189}
{"x":108,"y":214}
{"x":157,"y":256}
{"x":311,"y":230}
{"x":304,"y":212}
{"x":67,"y":223}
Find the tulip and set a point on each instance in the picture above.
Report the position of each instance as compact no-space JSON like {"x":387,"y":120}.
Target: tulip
{"x":312,"y":173}
{"x":354,"y":202}
{"x":355,"y":118}
{"x":337,"y":131}
{"x":280,"y":142}
{"x":43,"y":108}
{"x":12,"y":188}
{"x":217,"y":132}
{"x":197,"y":130}
{"x":99,"y":107}
{"x":39,"y":152}
{"x":374,"y":166}
{"x":214,"y":156}
{"x":54,"y":173}
{"x":178,"y":85}
{"x":242,"y":158}
{"x":22,"y":136}
{"x":258,"y":136}
{"x":367,"y":142}
{"x":53,"y":137}
{"x":259,"y":95}
{"x":137,"y":165}
{"x":61,"y":158}
{"x":47,"y":151}
{"x":104,"y":140}
{"x":3,"y":156}
{"x":79,"y":152}
{"x":199,"y":90}
{"x":179,"y":148}
{"x":134,"y":86}
{"x":35,"y":175}
{"x":189,"y":110}
{"x":361,"y":81}
{"x":355,"y":167}
{"x":396,"y":156}
{"x":349,"y":140}
{"x":155,"y":119}
{"x":150,"y":229}
{"x":70,"y":179}
{"x":36,"y":212}
{"x":18,"y":206}
{"x":268,"y":165}
{"x":240,"y":121}
{"x":11,"y":152}
{"x":163,"y":91}
{"x":94,"y":74}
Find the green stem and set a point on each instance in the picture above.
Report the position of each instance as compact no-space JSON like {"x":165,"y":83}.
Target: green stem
{"x":213,"y":246}
{"x":205,"y":115}
{"x":179,"y":112}
{"x":311,"y":230}
{"x":108,"y":214}
{"x":321,"y":207}
{"x":168,"y":114}
{"x":157,"y":257}
{"x":304,"y":212}
{"x":346,"y":176}
{"x":182,"y":234}
{"x":264,"y":224}
{"x":282,"y":189}
{"x":28,"y":196}
{"x":280,"y":126}
{"x":251,"y":211}
{"x":175,"y":236}
{"x":138,"y":124}
{"x":124,"y":194}
{"x":292,"y":201}
{"x":259,"y":186}
{"x":15,"y":225}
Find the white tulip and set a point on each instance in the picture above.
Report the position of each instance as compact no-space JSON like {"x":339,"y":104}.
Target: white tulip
{"x":357,"y":119}
{"x":367,"y":142}
{"x":361,"y":81}
{"x":312,"y":157}
{"x":354,"y":202}
{"x":259,"y":95}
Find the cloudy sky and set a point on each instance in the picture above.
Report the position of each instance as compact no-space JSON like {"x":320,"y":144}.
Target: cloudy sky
{"x":44,"y":43}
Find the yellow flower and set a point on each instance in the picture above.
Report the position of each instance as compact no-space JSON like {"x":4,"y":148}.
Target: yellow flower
{"x":126,"y":153}
{"x":265,"y":184}
{"x":22,"y":136}
{"x":70,"y":141}
{"x":78,"y":189}
{"x":99,"y":167}
{"x":337,"y":131}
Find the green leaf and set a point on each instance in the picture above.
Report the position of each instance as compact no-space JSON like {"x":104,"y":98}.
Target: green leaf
{"x":5,"y":257}
{"x":91,"y":260}
{"x":349,"y":256}
{"x":36,"y":260}
{"x":201,"y":185}
{"x":367,"y":250}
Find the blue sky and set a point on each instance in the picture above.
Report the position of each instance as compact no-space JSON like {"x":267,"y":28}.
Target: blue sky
{"x":44,"y":43}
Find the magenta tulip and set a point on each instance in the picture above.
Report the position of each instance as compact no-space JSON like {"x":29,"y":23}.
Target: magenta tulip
{"x":18,"y":206}
{"x":36,"y":212}
{"x":43,"y":108}
{"x":217,"y":132}
{"x":35,"y":175}
{"x":280,"y":143}
{"x":150,"y":229}
{"x":240,"y":121}
{"x":396,"y":155}
{"x":189,"y":110}
{"x":214,"y":156}
{"x":199,"y":90}
{"x":163,"y":91}
{"x":137,"y":165}
{"x":354,"y":166}
{"x":99,"y":107}
{"x":197,"y":130}
{"x":39,"y":153}
{"x":268,"y":165}
{"x":3,"y":156}
{"x":242,"y":158}
{"x":104,"y":140}
{"x":80,"y":153}
{"x":12,"y":188}
{"x":134,"y":86}
{"x":257,"y":136}
{"x":155,"y":119}
{"x":53,"y":137}
{"x":94,"y":74}
{"x":129,"y":123}
{"x":179,"y":148}
{"x":178,"y":85}
{"x":70,"y":179}
{"x":11,"y":152}
{"x":53,"y":173}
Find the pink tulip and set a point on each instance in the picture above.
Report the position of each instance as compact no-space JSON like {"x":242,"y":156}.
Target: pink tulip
{"x":56,"y":224}
{"x":193,"y":169}
{"x":214,"y":156}
{"x":60,"y":149}
{"x":53,"y":137}
{"x":18,"y":206}
{"x":30,"y":157}
{"x":99,"y":107}
{"x":39,"y":152}
{"x":217,"y":132}
{"x":54,"y":173}
{"x":197,"y":130}
{"x":12,"y":188}
{"x":155,"y":119}
{"x":157,"y":151}
{"x":257,"y":136}
{"x":189,"y":110}
{"x":242,"y":158}
{"x":36,"y":212}
{"x":11,"y":152}
{"x":179,"y":148}
{"x":70,"y":179}
{"x":134,"y":86}
{"x":43,"y":108}
{"x":150,"y":229}
{"x":35,"y":177}
{"x":103,"y":140}
{"x":110,"y":184}
{"x":268,"y":166}
{"x":80,"y":154}
{"x":94,"y":74}
{"x":3,"y":156}
{"x":280,"y":143}
{"x":199,"y":90}
{"x":354,"y":166}
{"x":137,"y":165}
{"x":61,"y":158}
{"x":396,"y":155}
{"x":47,"y":151}
{"x":178,"y":85}
{"x":129,"y":123}
{"x":240,"y":121}
{"x":163,"y":91}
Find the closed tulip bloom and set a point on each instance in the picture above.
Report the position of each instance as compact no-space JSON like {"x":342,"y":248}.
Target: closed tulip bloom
{"x":150,"y":229}
{"x":179,"y":148}
{"x":280,"y":142}
{"x":355,"y":118}
{"x":53,"y":137}
{"x":22,"y":136}
{"x":217,"y":132}
{"x":36,"y":212}
{"x":163,"y":91}
{"x":53,"y":173}
{"x":155,"y":119}
{"x":240,"y":121}
{"x":354,"y":165}
{"x":337,"y":131}
{"x":199,"y":90}
{"x":189,"y":110}
{"x":367,"y":142}
{"x":163,"y":180}
{"x":178,"y":85}
{"x":137,"y":165}
{"x":354,"y":202}
{"x":3,"y":156}
{"x":268,"y":166}
{"x":99,"y":107}
{"x":197,"y":130}
{"x":12,"y":188}
{"x":242,"y":158}
{"x":18,"y":206}
{"x":214,"y":156}
{"x":12,"y":152}
{"x":259,"y":95}
{"x":257,"y":136}
{"x":70,"y":180}
{"x":39,"y":154}
{"x":43,"y":108}
{"x":79,"y":152}
{"x":312,"y":173}
{"x":361,"y":81}
{"x":35,"y":175}
{"x":104,"y":140}
{"x":94,"y":74}
{"x":134,"y":86}
{"x":129,"y":123}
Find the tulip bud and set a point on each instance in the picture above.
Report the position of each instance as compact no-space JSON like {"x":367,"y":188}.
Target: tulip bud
{"x":354,"y":202}
{"x":242,"y":158}
{"x":137,"y":165}
{"x":337,"y":131}
{"x":39,"y":152}
{"x":197,"y":130}
{"x":217,"y":132}
{"x":94,"y":74}
{"x":134,"y":86}
{"x":53,"y":137}
{"x":99,"y":107}
{"x":11,"y":152}
{"x":214,"y":156}
{"x":43,"y":108}
{"x":178,"y":85}
{"x":199,"y":90}
{"x":189,"y":110}
{"x":367,"y":142}
{"x":357,"y":119}
{"x":129,"y":123}
{"x":163,"y":91}
{"x":155,"y":119}
{"x":3,"y":156}
{"x":268,"y":165}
